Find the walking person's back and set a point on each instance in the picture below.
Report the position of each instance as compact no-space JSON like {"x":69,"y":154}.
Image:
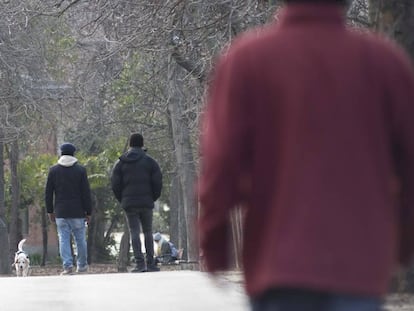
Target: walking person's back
{"x":307,"y":125}
{"x":137,"y":182}
{"x":68,"y":203}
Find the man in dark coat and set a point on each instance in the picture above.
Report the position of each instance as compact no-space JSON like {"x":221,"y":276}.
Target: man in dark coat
{"x":310,"y":127}
{"x":137,"y":182}
{"x":68,"y":203}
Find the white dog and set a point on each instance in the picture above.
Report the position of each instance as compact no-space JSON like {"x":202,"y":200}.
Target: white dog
{"x":21,"y":260}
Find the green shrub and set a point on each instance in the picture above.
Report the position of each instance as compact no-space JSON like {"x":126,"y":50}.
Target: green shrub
{"x":35,"y":259}
{"x":159,"y":224}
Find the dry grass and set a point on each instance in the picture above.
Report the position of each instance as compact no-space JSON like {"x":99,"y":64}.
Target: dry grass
{"x":98,"y":269}
{"x":57,"y":269}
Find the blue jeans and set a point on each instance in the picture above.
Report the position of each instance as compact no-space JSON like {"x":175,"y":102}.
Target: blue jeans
{"x":65,"y":228}
{"x":305,"y":300}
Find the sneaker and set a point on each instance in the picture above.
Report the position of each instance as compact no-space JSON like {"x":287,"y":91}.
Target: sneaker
{"x":67,"y":271}
{"x":139,"y":267}
{"x":153,"y":269}
{"x":82,"y":269}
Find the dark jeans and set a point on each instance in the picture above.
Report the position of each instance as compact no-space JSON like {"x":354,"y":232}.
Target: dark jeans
{"x":141,"y":216}
{"x":304,"y":300}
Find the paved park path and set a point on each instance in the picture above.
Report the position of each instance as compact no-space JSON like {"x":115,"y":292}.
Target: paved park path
{"x":160,"y":291}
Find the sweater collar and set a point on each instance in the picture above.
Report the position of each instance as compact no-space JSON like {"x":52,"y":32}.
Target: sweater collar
{"x":316,"y":13}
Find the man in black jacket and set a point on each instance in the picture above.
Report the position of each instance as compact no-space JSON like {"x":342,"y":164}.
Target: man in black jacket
{"x":137,"y":182}
{"x":68,"y":203}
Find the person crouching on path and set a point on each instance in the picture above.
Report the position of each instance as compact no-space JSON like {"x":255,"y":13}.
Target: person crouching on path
{"x":166,"y":250}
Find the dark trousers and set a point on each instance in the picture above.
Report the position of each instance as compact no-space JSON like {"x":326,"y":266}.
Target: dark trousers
{"x":305,"y":300}
{"x":136,"y":218}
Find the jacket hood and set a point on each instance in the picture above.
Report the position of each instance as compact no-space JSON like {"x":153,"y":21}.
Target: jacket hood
{"x":132,"y":155}
{"x":67,"y":160}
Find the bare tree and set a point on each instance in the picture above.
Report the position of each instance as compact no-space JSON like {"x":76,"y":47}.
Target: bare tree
{"x":61,"y":59}
{"x":4,"y":239}
{"x":395,"y":18}
{"x":178,"y":40}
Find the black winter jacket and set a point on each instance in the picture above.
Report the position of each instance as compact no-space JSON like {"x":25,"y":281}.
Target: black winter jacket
{"x":67,"y":191}
{"x":136,"y":180}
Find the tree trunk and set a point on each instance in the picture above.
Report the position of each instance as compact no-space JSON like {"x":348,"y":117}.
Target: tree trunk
{"x":174,"y":206}
{"x":44,"y":227}
{"x":15,"y":232}
{"x":184,"y":157}
{"x":123,"y":259}
{"x":396,"y":19}
{"x":182,"y":221}
{"x":4,"y":235}
{"x":96,"y":232}
{"x":178,"y":224}
{"x":182,"y":227}
{"x":112,"y":226}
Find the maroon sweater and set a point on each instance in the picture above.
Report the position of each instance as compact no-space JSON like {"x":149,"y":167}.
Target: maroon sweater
{"x":306,"y":126}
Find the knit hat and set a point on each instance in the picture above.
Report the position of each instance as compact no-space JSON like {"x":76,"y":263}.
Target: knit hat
{"x":67,"y":149}
{"x":136,"y":140}
{"x":157,"y":237}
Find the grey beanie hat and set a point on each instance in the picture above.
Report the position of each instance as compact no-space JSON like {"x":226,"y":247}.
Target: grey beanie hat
{"x":157,"y":236}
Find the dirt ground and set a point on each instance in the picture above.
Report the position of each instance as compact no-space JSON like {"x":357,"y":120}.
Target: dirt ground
{"x":57,"y":269}
{"x":97,"y":269}
{"x":395,"y":302}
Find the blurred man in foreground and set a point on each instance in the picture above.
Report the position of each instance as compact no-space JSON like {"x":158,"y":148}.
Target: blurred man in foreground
{"x":308,"y":127}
